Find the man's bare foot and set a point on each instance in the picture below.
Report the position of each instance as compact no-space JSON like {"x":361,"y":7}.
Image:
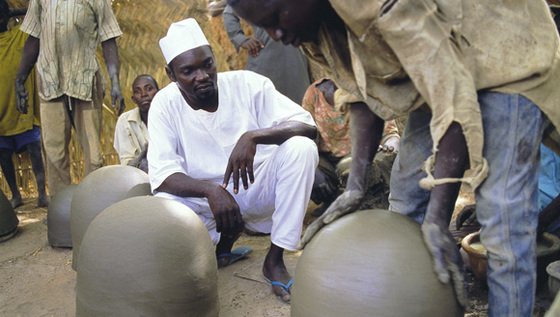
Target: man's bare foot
{"x":274,"y":270}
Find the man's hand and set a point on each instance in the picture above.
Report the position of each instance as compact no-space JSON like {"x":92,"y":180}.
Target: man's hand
{"x":117,"y":99}
{"x":240,"y":163}
{"x":391,"y":145}
{"x":346,"y":203}
{"x":253,"y":46}
{"x":447,"y":260}
{"x":21,"y":96}
{"x":226,"y":211}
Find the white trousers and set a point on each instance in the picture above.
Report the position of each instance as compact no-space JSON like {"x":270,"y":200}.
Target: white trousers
{"x":276,"y":202}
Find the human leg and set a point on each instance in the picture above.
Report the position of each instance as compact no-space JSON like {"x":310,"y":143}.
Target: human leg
{"x":55,"y":132}
{"x":507,"y":203}
{"x":406,"y":197}
{"x":8,"y":169}
{"x":34,"y":150}
{"x":87,"y":124}
{"x":277,"y":201}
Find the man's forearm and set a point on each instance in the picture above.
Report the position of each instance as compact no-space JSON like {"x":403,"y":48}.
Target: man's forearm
{"x":282,"y":132}
{"x":451,"y":162}
{"x":182,"y":185}
{"x":111,"y":56}
{"x":28,"y":58}
{"x":366,"y":129}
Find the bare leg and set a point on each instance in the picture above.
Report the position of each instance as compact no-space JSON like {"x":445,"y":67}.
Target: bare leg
{"x":10,"y":174}
{"x":274,"y":269}
{"x":34,"y":150}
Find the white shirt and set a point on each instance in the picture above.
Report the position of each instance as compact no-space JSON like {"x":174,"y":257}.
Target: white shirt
{"x":131,"y":136}
{"x":198,"y":143}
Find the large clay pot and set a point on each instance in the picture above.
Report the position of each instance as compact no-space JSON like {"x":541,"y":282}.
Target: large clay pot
{"x":147,"y":256}
{"x":8,"y":219}
{"x":370,"y":263}
{"x":58,"y":218}
{"x":97,"y":191}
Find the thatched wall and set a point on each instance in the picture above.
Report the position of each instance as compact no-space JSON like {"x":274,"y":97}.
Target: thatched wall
{"x":143,"y":24}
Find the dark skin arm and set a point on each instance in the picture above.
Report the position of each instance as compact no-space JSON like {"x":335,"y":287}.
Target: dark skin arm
{"x":366,"y":129}
{"x":240,"y":164}
{"x":28,"y":60}
{"x":111,"y":56}
{"x":451,"y":161}
{"x":223,"y":205}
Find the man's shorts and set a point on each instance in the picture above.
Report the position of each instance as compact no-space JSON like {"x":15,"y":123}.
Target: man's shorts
{"x":16,"y":143}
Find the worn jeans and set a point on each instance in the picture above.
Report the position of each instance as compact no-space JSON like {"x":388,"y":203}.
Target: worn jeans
{"x":506,"y":202}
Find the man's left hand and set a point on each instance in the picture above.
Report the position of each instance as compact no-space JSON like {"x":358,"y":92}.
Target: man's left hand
{"x":240,"y":163}
{"x":447,"y":259}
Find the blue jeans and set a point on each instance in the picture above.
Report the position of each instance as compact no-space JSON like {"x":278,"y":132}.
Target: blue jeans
{"x":506,"y":202}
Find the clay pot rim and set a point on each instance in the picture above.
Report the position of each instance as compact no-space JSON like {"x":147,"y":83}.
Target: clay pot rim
{"x":552,"y":245}
{"x":466,"y":245}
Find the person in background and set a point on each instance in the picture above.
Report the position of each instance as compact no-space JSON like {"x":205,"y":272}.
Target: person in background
{"x":62,"y":43}
{"x":18,"y":132}
{"x":208,"y":130}
{"x":131,"y":130}
{"x":286,"y":66}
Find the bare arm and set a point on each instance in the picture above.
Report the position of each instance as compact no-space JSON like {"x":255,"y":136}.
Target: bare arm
{"x":240,"y":162}
{"x":28,"y":60}
{"x":111,"y":56}
{"x":223,"y":205}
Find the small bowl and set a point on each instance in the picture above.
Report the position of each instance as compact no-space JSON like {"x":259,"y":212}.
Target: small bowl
{"x":548,"y":250}
{"x":478,"y":258}
{"x":553,"y":270}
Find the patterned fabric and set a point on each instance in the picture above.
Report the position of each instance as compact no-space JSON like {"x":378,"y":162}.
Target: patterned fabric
{"x":70,"y":32}
{"x":333,"y":124}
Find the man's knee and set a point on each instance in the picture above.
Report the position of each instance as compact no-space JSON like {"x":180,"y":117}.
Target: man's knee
{"x":301,"y":148}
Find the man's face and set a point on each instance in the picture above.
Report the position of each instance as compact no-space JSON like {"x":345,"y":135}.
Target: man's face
{"x":143,"y":91}
{"x":289,"y":21}
{"x":194,"y":71}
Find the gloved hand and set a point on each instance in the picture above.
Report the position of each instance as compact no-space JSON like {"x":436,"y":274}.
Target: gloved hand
{"x":346,"y":203}
{"x":448,"y":264}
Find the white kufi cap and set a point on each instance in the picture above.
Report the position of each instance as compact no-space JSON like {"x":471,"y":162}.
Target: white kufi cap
{"x":181,"y":37}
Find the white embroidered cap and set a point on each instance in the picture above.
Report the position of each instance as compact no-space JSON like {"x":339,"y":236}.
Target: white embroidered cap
{"x":181,"y":37}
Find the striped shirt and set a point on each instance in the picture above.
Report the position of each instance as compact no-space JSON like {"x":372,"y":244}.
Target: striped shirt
{"x":69,"y":31}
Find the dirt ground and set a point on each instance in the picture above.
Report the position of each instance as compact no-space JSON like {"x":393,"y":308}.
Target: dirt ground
{"x":37,"y":280}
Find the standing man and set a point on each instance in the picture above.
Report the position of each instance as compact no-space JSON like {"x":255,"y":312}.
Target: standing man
{"x":63,"y":38}
{"x":479,"y":81}
{"x":18,"y":132}
{"x":208,"y":130}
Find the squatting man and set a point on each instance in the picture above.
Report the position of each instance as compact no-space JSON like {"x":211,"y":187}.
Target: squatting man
{"x":210,"y":130}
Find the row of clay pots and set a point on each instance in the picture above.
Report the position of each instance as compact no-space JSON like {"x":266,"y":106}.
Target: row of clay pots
{"x":152,"y":257}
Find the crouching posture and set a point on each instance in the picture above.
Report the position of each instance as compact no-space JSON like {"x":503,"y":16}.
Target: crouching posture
{"x":210,"y":130}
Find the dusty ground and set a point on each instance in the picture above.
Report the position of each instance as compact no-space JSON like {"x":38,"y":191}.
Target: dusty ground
{"x":37,"y":280}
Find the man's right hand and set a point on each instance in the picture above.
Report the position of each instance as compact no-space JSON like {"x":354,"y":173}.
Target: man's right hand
{"x":253,"y":46}
{"x":346,"y":203}
{"x":21,"y":96}
{"x":226,"y":211}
